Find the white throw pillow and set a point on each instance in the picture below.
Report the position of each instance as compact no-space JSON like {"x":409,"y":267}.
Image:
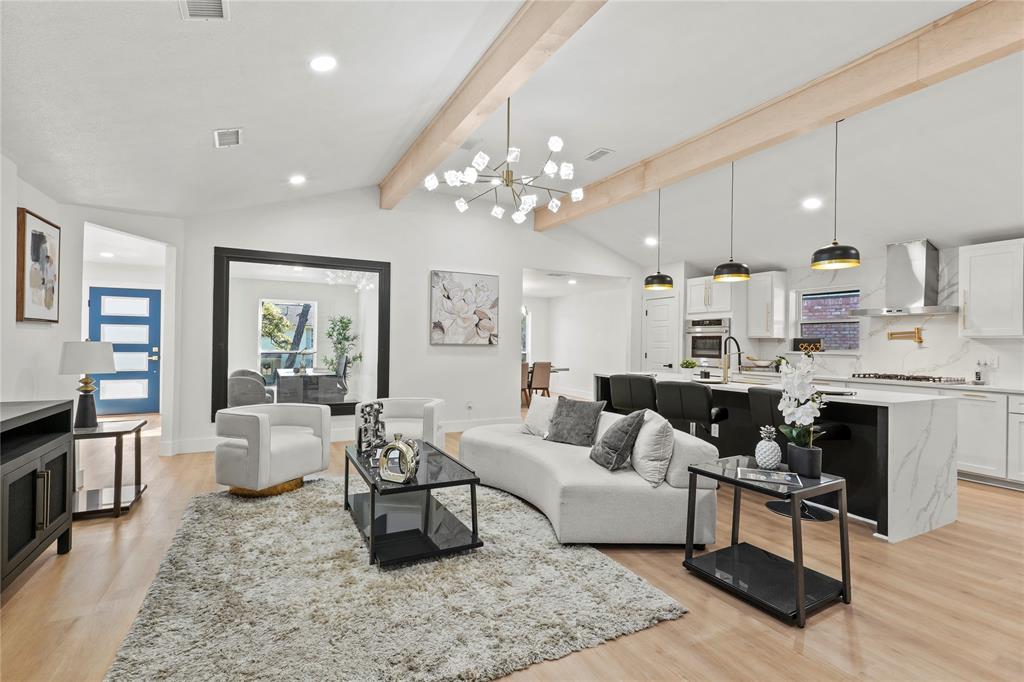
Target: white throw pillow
{"x":652,"y":451}
{"x":538,"y":418}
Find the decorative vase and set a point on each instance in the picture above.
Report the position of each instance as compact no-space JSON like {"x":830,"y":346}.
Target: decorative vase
{"x":804,"y":461}
{"x":686,"y":374}
{"x":768,"y":453}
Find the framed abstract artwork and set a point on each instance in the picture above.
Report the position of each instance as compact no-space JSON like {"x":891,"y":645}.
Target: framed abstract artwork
{"x":463,"y":309}
{"x":38,"y":288}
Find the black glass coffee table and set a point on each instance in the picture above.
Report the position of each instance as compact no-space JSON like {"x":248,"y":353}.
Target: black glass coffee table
{"x":403,"y":522}
{"x":777,"y":585}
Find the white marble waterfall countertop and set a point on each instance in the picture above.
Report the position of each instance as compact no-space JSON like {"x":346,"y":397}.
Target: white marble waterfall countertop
{"x":864,"y":396}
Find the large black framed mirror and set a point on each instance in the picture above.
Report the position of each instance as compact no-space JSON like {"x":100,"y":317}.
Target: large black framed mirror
{"x":299,"y":328}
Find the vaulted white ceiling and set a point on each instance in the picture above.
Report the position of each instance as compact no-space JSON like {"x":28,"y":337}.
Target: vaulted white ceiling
{"x":114,"y":103}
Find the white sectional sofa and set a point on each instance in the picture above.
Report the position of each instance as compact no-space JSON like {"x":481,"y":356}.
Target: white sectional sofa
{"x":585,"y":502}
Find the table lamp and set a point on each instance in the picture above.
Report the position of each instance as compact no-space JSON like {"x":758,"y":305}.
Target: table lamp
{"x":85,"y":357}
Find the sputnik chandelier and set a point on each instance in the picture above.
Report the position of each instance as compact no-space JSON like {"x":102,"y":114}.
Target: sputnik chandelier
{"x":525,"y":189}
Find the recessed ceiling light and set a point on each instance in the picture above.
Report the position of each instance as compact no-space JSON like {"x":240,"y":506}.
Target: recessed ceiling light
{"x":651,"y":241}
{"x":811,"y":203}
{"x":323,"y":63}
{"x":572,"y":281}
{"x":106,"y":254}
{"x":297,"y":180}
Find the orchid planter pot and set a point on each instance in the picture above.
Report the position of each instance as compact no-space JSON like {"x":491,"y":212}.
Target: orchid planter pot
{"x":803,"y":461}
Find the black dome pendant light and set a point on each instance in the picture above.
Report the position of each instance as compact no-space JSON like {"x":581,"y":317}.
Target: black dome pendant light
{"x":835,"y":256}
{"x":658,"y":281}
{"x":732,"y":271}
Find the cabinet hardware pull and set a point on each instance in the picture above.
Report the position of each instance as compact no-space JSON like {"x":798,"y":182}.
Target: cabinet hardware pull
{"x":976,"y":396}
{"x":768,"y":319}
{"x":42,"y":499}
{"x":963,"y":311}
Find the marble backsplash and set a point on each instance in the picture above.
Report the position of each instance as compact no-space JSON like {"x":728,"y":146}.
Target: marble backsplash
{"x":943,"y":352}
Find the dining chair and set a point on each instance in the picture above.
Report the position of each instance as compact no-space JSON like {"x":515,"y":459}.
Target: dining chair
{"x":524,"y":385}
{"x":540,"y":380}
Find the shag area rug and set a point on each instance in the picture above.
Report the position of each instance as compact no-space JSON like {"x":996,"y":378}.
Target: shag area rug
{"x":281,"y":588}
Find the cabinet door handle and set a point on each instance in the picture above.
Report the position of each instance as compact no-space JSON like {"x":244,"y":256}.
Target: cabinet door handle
{"x":963,"y":311}
{"x":976,"y":396}
{"x":768,"y":319}
{"x":42,"y":499}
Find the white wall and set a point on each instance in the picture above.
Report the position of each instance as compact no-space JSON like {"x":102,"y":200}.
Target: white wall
{"x":540,"y":327}
{"x":587,"y":334}
{"x":30,"y":351}
{"x":943,"y":352}
{"x":423,"y":233}
{"x":243,"y":322}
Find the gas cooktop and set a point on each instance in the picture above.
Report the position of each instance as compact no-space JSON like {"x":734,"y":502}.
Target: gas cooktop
{"x":925,"y":378}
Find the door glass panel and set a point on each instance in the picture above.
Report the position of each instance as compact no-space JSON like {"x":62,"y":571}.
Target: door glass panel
{"x":130,"y":306}
{"x":131,"y":362}
{"x":124,"y":389}
{"x":124,"y":333}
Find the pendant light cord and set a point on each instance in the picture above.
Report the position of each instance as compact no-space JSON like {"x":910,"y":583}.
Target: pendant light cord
{"x":732,"y":204}
{"x":659,"y":231}
{"x":835,"y":188}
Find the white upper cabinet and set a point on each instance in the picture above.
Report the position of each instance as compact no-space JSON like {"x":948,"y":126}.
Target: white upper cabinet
{"x":766,"y":305}
{"x":992,"y":289}
{"x":705,"y":295}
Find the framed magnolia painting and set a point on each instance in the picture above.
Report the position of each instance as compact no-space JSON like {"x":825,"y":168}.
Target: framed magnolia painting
{"x":463,"y":308}
{"x":38,"y":287}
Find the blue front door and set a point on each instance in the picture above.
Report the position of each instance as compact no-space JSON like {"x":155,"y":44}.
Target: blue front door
{"x":130,"y":319}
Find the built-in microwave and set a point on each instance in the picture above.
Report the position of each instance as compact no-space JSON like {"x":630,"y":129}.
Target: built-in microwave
{"x":705,"y":340}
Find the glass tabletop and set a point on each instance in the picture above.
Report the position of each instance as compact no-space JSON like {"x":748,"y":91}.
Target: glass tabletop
{"x":727,"y":469}
{"x":436,"y":470}
{"x":110,"y":428}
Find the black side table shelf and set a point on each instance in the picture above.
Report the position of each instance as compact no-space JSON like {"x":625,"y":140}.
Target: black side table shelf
{"x":119,"y":499}
{"x":772,"y":583}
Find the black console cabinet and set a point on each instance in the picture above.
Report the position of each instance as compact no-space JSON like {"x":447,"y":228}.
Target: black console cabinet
{"x":37,"y":466}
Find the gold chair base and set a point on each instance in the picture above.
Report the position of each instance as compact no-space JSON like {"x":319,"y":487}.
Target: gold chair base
{"x":278,"y":489}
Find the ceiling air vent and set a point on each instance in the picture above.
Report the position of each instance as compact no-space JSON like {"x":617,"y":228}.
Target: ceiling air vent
{"x":598,"y":153}
{"x":203,"y":10}
{"x":229,"y":137}
{"x":556,"y":274}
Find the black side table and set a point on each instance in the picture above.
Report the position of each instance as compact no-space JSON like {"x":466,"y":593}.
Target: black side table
{"x":777,"y":585}
{"x":120,"y":498}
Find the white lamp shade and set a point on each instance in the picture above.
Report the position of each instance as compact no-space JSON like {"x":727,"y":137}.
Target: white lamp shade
{"x":87,"y":357}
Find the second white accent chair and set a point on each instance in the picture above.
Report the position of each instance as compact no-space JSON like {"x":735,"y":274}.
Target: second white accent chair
{"x":271,"y":447}
{"x":412,"y":417}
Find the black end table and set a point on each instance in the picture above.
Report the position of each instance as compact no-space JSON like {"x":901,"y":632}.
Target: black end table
{"x":402,"y":522}
{"x":777,"y":585}
{"x":120,"y":498}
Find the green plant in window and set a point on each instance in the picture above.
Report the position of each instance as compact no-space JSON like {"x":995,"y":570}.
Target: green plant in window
{"x":275,"y":327}
{"x":343,"y":341}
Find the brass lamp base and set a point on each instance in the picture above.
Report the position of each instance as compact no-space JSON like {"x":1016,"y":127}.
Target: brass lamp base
{"x":278,"y":489}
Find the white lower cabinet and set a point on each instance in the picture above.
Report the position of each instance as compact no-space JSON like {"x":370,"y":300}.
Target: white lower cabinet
{"x":981,"y":432}
{"x":1015,"y":456}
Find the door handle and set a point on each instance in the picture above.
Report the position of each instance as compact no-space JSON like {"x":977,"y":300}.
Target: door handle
{"x":669,"y":365}
{"x":963,"y":311}
{"x":42,"y":499}
{"x":154,"y":357}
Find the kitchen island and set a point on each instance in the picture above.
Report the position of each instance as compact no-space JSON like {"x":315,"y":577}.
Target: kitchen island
{"x":899,"y":462}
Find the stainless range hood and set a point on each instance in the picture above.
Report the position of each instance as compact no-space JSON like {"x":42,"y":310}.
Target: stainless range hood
{"x":911,"y":282}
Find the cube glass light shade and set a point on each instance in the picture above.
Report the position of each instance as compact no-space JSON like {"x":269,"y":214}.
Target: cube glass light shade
{"x":565,"y":171}
{"x":497,"y":211}
{"x":576,"y":194}
{"x":469,"y":176}
{"x":518,"y":217}
{"x":462,"y":205}
{"x":513,"y":155}
{"x":554,"y":205}
{"x":529,"y":202}
{"x":452,"y":177}
{"x":480,"y":161}
{"x":550,"y":168}
{"x":555,"y":143}
{"x":430,"y":182}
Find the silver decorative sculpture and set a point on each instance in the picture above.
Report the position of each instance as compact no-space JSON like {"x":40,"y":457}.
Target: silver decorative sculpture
{"x":371,"y":433}
{"x":399,"y":460}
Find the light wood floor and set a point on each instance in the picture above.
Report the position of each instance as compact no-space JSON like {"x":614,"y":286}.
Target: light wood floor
{"x":946,"y":606}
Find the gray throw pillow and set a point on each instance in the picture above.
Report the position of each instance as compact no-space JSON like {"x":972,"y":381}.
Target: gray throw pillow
{"x":616,"y":445}
{"x":575,"y":421}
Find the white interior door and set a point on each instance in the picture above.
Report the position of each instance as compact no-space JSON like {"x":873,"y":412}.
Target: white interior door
{"x":661,"y":333}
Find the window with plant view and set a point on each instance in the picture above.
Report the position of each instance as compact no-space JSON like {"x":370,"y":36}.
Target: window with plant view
{"x":287,"y":336}
{"x":826,"y":315}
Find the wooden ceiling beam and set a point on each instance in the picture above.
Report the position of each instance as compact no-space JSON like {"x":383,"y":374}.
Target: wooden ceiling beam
{"x":536,"y":31}
{"x":974,"y":35}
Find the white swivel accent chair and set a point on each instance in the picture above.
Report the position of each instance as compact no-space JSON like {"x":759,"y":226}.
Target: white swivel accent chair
{"x":271,"y":447}
{"x":412,"y":417}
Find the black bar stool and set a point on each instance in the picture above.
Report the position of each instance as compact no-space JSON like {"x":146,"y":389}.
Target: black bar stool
{"x":687,"y":404}
{"x":764,"y":411}
{"x":632,"y":392}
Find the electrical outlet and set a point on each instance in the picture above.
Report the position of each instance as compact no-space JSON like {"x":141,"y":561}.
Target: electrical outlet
{"x":469,"y":405}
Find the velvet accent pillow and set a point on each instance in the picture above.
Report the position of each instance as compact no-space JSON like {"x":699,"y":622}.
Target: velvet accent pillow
{"x":652,"y":451}
{"x":538,"y":418}
{"x":575,"y":421}
{"x":616,"y":445}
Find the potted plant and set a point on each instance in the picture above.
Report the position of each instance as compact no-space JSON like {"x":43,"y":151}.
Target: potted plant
{"x":800,"y":406}
{"x":686,"y":367}
{"x":343,"y":343}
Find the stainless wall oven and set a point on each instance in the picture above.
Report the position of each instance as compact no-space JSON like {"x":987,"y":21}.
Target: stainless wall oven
{"x":705,"y":339}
